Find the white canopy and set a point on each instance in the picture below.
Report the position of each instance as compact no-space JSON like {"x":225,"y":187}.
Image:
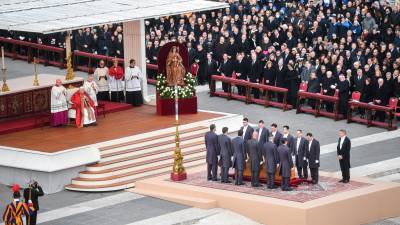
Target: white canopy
{"x":50,"y":16}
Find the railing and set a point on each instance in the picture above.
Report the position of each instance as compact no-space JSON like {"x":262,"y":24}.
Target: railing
{"x":248,"y":86}
{"x":369,"y":108}
{"x":318,"y":100}
{"x":88,"y":62}
{"x":25,"y":50}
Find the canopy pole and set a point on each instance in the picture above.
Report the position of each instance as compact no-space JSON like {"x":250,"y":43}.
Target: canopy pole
{"x":70,"y":71}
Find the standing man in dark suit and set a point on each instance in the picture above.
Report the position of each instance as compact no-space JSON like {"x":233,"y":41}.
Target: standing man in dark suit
{"x":286,"y":163}
{"x":239,"y":157}
{"x":313,"y":157}
{"x":226,"y":70}
{"x":31,"y":195}
{"x":263,"y":133}
{"x":225,"y":147}
{"x":289,"y":137}
{"x":344,"y":87}
{"x":211,"y":141}
{"x":247,"y":130}
{"x":255,"y":73}
{"x":343,"y":155}
{"x":255,"y":155}
{"x":299,"y":150}
{"x":276,"y":134}
{"x":271,"y":159}
{"x":211,"y":68}
{"x":241,"y":72}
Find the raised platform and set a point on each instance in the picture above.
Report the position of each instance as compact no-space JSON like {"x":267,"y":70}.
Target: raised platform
{"x":116,"y":125}
{"x":43,"y":119}
{"x":330,"y":203}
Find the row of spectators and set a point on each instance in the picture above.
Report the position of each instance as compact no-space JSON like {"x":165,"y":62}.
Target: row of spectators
{"x":280,"y":43}
{"x":103,"y":40}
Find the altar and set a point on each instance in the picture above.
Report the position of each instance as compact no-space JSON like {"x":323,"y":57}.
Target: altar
{"x":25,"y":99}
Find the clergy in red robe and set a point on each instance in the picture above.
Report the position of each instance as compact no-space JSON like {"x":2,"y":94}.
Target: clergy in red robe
{"x":85,"y":108}
{"x":116,"y":74}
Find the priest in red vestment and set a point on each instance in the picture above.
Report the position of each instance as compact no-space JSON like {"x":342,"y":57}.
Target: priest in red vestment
{"x":85,"y":108}
{"x":116,"y":85}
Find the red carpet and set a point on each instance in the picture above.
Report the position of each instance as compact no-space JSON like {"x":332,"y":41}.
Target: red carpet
{"x":35,"y":121}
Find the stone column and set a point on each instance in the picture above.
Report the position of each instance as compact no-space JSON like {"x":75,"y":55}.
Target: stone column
{"x":135,"y":48}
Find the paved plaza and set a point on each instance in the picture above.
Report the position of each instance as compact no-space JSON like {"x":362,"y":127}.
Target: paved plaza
{"x":375,"y":154}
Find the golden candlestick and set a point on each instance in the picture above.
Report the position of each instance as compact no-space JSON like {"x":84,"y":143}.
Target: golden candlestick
{"x":4,"y":88}
{"x":35,"y":81}
{"x":178,"y":171}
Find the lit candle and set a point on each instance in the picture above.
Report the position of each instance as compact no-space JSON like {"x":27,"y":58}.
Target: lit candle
{"x":2,"y":58}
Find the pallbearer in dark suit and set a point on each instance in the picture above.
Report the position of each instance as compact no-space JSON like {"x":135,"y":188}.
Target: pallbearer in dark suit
{"x":286,"y":164}
{"x":343,"y":154}
{"x":313,"y":157}
{"x":276,"y":134}
{"x":299,"y":150}
{"x":225,"y":147}
{"x":226,"y":70}
{"x":263,"y":133}
{"x":289,"y":137}
{"x":271,"y":159}
{"x":247,"y":130}
{"x":211,"y":141}
{"x":239,"y":157}
{"x":255,"y":156}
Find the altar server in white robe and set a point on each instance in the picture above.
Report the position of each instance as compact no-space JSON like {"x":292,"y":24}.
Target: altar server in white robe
{"x":91,"y":89}
{"x":101,"y":77}
{"x":133,"y":79}
{"x":59,"y":107}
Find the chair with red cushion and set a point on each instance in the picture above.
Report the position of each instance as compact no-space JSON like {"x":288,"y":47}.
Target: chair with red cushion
{"x":355,"y":96}
{"x":303,"y":86}
{"x":194,"y":69}
{"x":393,"y":104}
{"x":234,"y":76}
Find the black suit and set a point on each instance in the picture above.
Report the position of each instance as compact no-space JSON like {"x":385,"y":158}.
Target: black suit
{"x":313,"y":159}
{"x":255,"y":75}
{"x":226,"y":70}
{"x":286,"y":164}
{"x":271,"y":159}
{"x":248,"y":134}
{"x":211,"y":69}
{"x":300,"y":153}
{"x":33,"y":194}
{"x":263,"y":138}
{"x":344,"y":151}
{"x":225,"y":146}
{"x":277,"y":138}
{"x":241,"y":72}
{"x":239,"y":158}
{"x":255,"y":154}
{"x":213,"y":151}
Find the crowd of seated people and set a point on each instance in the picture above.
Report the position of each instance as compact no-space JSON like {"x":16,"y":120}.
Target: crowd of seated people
{"x":329,"y":44}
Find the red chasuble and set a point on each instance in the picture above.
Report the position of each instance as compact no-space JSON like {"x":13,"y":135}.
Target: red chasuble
{"x":116,"y":72}
{"x":77,"y":100}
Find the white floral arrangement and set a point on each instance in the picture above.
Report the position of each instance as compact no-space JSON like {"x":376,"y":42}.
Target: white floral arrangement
{"x":168,"y":92}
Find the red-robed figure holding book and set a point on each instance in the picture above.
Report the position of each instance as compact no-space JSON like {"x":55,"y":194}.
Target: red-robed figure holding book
{"x":85,"y":108}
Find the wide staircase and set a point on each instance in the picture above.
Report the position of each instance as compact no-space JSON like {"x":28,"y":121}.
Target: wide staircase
{"x":123,"y":164}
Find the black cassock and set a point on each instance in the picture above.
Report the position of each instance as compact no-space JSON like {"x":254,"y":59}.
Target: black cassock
{"x":344,"y":88}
